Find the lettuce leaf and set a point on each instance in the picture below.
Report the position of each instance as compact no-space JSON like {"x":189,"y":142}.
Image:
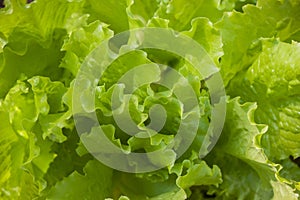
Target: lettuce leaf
{"x":272,"y":81}
{"x":247,"y":172}
{"x":241,"y":32}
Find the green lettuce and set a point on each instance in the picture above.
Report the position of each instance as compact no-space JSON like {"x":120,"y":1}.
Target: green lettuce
{"x":254,"y":44}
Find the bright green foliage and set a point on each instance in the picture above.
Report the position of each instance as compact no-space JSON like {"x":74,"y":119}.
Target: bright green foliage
{"x":256,"y":46}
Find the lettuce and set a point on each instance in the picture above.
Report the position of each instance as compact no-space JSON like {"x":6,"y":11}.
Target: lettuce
{"x":55,"y":137}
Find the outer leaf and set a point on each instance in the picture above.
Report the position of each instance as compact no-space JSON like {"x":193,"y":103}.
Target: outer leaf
{"x":250,"y":172}
{"x":241,"y":31}
{"x":32,"y":30}
{"x":273,"y":81}
{"x":95,"y":184}
{"x":180,"y":13}
{"x":36,"y":19}
{"x":107,"y":11}
{"x":14,"y":182}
